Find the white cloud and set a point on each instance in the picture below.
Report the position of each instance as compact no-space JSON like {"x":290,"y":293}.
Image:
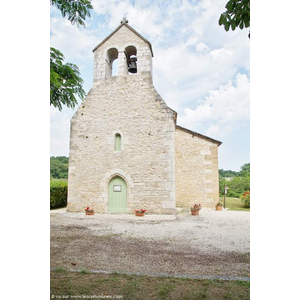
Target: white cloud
{"x":202,"y":47}
{"x":222,"y":110}
{"x":75,"y":43}
{"x":183,"y":74}
{"x":197,"y":55}
{"x":146,"y":19}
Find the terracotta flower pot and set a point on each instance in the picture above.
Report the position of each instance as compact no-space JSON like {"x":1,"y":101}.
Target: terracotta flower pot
{"x":219,"y":207}
{"x":139,"y":214}
{"x":195,"y":212}
{"x":89,"y":213}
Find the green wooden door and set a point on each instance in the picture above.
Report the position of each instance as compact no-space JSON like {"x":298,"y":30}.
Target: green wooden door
{"x":117,"y":195}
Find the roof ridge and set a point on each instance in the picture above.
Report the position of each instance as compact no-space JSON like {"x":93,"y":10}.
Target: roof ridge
{"x":199,"y":135}
{"x":129,"y":27}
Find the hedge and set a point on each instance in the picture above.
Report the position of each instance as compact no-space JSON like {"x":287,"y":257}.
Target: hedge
{"x":58,"y":193}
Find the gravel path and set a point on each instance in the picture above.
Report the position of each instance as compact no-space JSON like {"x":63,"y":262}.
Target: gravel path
{"x":213,"y":243}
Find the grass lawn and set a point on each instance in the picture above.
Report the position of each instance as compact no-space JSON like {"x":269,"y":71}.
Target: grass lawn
{"x":234,"y":204}
{"x":64,"y":283}
{"x":59,"y":179}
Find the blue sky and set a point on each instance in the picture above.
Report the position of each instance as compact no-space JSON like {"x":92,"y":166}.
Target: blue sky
{"x":200,"y":70}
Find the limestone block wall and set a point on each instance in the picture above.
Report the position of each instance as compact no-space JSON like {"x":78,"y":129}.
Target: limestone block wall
{"x":196,"y":171}
{"x":128,"y":105}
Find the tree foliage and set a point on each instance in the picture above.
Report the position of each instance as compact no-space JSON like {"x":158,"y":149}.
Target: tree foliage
{"x":227,"y":173}
{"x":245,"y":170}
{"x":75,"y":10}
{"x":59,"y":167}
{"x":237,"y":14}
{"x":239,"y":184}
{"x":65,"y":81}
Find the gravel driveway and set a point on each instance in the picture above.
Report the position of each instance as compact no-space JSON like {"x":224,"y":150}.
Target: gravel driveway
{"x":213,"y":243}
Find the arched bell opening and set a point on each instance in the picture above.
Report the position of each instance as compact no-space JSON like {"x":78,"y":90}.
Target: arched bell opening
{"x":112,"y":62}
{"x":131,"y":59}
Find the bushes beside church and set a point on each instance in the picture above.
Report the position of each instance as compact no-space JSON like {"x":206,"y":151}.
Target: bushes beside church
{"x":58,"y":193}
{"x":237,"y":186}
{"x":238,"y":182}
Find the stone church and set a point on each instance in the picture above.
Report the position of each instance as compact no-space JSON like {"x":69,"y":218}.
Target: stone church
{"x":126,"y":149}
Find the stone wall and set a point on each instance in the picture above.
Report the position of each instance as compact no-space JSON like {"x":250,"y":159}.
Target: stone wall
{"x":196,"y":171}
{"x":128,"y":105}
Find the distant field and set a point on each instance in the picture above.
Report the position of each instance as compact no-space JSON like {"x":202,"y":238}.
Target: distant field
{"x":234,"y":204}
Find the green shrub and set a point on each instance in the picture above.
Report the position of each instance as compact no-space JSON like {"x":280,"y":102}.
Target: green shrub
{"x":246,"y":199}
{"x":237,"y":186}
{"x":58,"y":193}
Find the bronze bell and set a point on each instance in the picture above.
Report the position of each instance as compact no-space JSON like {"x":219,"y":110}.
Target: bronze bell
{"x":132,"y":66}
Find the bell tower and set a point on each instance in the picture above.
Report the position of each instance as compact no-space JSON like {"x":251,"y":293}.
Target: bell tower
{"x":133,"y":51}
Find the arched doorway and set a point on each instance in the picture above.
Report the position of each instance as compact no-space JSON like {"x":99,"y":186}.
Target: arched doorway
{"x":117,"y":195}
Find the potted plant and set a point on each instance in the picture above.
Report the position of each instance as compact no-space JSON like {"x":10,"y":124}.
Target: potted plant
{"x":89,"y":211}
{"x":219,"y":206}
{"x":195,"y":209}
{"x":140,"y":212}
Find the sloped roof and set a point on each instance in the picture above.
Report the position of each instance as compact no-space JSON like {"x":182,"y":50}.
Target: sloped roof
{"x":129,"y":27}
{"x":199,"y":135}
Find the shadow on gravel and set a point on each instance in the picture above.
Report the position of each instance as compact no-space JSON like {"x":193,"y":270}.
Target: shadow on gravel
{"x":78,"y":245}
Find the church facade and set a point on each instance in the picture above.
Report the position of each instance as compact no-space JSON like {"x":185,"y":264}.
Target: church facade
{"x":126,"y":149}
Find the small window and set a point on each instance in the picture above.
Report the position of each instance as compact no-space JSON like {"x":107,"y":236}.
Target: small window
{"x":117,"y":142}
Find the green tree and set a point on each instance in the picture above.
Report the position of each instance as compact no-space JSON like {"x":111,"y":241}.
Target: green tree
{"x":245,"y":170}
{"x":59,"y":167}
{"x":239,"y":184}
{"x":65,"y":80}
{"x":75,"y":10}
{"x":227,"y":173}
{"x":237,"y":14}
